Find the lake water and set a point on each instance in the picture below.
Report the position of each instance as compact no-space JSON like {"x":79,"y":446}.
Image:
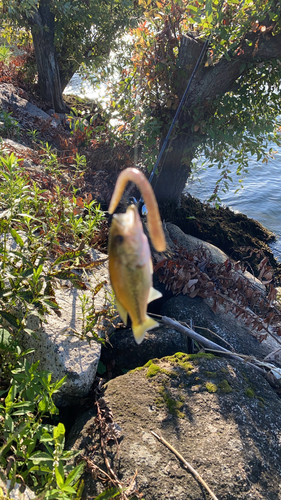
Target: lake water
{"x":259,"y":199}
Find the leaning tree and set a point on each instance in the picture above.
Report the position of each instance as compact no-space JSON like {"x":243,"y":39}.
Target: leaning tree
{"x":232,"y":106}
{"x":67,"y":34}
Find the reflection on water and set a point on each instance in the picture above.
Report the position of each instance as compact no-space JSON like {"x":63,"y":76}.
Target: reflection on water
{"x":260,"y":198}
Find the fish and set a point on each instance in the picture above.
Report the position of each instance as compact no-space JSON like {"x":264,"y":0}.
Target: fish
{"x":153,"y":217}
{"x":130,"y":264}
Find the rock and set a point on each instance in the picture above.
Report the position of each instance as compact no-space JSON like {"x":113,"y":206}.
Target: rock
{"x":176,"y":235}
{"x":191,"y":243}
{"x":124,"y":354}
{"x":10,"y":98}
{"x":227,"y":331}
{"x":220,"y":415}
{"x":60,"y":343}
{"x":16,"y":493}
{"x":10,"y":146}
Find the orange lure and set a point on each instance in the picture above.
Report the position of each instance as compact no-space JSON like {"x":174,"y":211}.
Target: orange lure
{"x":130,"y":265}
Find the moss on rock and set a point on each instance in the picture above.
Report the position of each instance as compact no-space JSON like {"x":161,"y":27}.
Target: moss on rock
{"x":211,"y":387}
{"x":225,"y":387}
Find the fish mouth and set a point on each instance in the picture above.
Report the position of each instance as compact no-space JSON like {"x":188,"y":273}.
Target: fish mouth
{"x":125,"y":220}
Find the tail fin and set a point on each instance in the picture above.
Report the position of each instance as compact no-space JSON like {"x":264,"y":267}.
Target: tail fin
{"x":139,"y":331}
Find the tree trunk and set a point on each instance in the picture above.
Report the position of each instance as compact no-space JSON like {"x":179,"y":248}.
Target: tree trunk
{"x":208,"y":84}
{"x":174,"y":170}
{"x":43,"y":29}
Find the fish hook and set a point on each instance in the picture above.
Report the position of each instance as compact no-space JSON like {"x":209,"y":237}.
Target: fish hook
{"x":153,"y":217}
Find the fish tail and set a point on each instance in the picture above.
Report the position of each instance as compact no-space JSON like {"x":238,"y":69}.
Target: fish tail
{"x":139,"y":331}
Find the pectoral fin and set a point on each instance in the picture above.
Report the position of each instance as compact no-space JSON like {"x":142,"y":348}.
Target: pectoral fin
{"x":153,"y":294}
{"x":139,"y":331}
{"x":123,"y":313}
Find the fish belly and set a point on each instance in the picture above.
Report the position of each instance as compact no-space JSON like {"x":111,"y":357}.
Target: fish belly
{"x":133,"y":291}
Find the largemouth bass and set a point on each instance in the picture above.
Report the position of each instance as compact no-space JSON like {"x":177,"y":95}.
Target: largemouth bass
{"x":130,"y":265}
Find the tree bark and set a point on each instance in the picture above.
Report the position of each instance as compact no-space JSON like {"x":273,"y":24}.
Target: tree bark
{"x":174,"y":169}
{"x":43,"y":29}
{"x":208,"y":84}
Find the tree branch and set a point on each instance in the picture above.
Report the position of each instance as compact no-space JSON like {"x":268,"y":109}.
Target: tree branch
{"x":216,"y":80}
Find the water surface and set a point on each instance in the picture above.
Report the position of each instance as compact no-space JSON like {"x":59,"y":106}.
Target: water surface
{"x":259,"y":199}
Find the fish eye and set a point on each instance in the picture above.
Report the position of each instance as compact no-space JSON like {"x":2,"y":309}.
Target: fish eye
{"x":119,"y":239}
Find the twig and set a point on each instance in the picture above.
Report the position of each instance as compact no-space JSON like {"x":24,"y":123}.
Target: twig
{"x":114,"y":478}
{"x":187,"y":465}
{"x":93,"y":467}
{"x":212,"y":333}
{"x":250,"y":313}
{"x":202,"y":340}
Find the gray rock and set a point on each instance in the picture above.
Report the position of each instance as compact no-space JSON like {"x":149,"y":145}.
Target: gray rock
{"x":220,"y":415}
{"x":227,"y":330}
{"x":191,"y":243}
{"x":60,"y":343}
{"x":175,"y":234}
{"x":16,"y":493}
{"x":9,"y":97}
{"x":124,"y":354}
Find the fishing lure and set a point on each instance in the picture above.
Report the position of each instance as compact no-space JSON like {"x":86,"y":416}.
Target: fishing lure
{"x":130,"y":265}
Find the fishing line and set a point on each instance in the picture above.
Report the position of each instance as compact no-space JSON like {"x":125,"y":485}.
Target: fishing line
{"x":202,"y":53}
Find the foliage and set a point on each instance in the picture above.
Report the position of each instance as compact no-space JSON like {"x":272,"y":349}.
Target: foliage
{"x":240,"y":122}
{"x":194,"y":274}
{"x":5,"y":54}
{"x":31,"y":450}
{"x":38,"y":223}
{"x":34,"y":222}
{"x":10,"y":127}
{"x":85,"y":32}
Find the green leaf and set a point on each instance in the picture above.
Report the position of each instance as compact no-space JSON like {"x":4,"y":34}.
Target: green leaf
{"x":46,"y":437}
{"x":57,"y":385}
{"x":9,"y":424}
{"x":5,"y":338}
{"x":13,"y":320}
{"x":43,"y":405}
{"x":51,"y":304}
{"x":74,"y":278}
{"x":71,"y":255}
{"x":59,"y":433}
{"x":41,"y":456}
{"x":23,"y":407}
{"x":108,"y":494}
{"x":11,"y":395}
{"x":17,"y":237}
{"x":59,"y":475}
{"x":75,"y":474}
{"x":69,"y":489}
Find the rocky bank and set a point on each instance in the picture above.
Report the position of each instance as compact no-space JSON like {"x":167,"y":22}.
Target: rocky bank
{"x":221,"y":414}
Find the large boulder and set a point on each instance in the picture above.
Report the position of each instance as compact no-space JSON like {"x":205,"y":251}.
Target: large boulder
{"x":10,"y":98}
{"x":222,"y":328}
{"x":220,"y":415}
{"x":176,"y":237}
{"x":60,"y":343}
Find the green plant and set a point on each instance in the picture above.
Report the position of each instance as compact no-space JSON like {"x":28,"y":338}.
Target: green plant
{"x":9,"y":126}
{"x":5,"y":54}
{"x":91,"y":319}
{"x":33,"y":134}
{"x":32,"y":451}
{"x":37,"y":224}
{"x":49,"y":159}
{"x":80,"y":164}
